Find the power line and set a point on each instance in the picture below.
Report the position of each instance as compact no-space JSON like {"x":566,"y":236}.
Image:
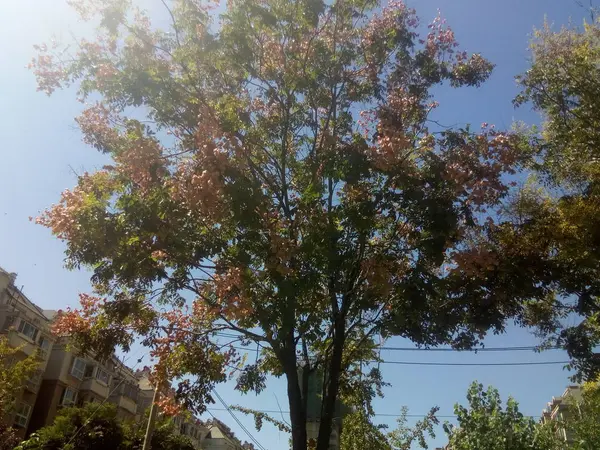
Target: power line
{"x":424,"y":363}
{"x":273,"y":411}
{"x":430,"y":349}
{"x":525,"y":363}
{"x":228,"y":409}
{"x":475,"y":350}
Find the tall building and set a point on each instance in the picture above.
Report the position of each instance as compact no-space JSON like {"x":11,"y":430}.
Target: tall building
{"x":25,"y":327}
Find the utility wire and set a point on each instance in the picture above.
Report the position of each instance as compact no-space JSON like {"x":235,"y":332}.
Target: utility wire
{"x":424,"y":363}
{"x":228,"y":409}
{"x":525,"y":363}
{"x":417,"y":349}
{"x":476,"y":350}
{"x":273,"y":411}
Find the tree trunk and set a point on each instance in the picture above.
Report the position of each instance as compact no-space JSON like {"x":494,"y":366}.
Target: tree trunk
{"x":333,"y":384}
{"x":296,"y":402}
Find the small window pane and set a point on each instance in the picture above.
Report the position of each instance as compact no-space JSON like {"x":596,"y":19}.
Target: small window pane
{"x":22,"y":415}
{"x":44,"y":343}
{"x":28,"y":330}
{"x":69,"y":397}
{"x":103,"y":376}
{"x":78,"y":370}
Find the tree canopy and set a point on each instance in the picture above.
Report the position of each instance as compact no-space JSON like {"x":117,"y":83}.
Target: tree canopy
{"x":485,"y":423}
{"x":96,"y":427}
{"x":274,"y":173}
{"x":555,"y":218}
{"x":359,"y":432}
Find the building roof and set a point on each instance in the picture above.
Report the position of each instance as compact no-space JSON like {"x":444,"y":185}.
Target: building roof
{"x":15,"y":292}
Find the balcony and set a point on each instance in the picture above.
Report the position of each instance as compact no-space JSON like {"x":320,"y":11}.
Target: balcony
{"x":126,"y":403}
{"x":95,"y":386}
{"x":125,"y":395}
{"x":17,"y":340}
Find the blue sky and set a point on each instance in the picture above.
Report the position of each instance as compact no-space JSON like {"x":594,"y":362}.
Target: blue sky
{"x":41,"y":149}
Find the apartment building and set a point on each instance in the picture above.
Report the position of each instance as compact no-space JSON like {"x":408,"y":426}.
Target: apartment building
{"x":69,"y":377}
{"x":220,"y":437}
{"x":26,"y":327}
{"x":559,"y":409}
{"x":73,"y":378}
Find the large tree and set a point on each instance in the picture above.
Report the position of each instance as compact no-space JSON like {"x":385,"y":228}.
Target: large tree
{"x":274,"y":175}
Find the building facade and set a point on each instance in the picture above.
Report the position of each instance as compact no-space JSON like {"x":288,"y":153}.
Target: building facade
{"x":73,"y":378}
{"x":25,"y":327}
{"x":559,"y":409}
{"x":220,"y":437}
{"x":69,"y":377}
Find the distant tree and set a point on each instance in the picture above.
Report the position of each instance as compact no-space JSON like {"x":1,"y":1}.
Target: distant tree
{"x":14,"y":371}
{"x":360,"y":433}
{"x":486,"y":424}
{"x":164,"y":437}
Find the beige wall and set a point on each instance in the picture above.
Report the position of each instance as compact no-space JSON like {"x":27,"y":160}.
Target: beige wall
{"x":15,"y":310}
{"x":558,"y":410}
{"x":47,"y":404}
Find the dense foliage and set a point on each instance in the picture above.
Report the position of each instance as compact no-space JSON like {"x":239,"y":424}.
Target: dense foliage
{"x":486,"y":424}
{"x":359,"y":432}
{"x":555,"y":220}
{"x":276,"y":175}
{"x":15,"y":370}
{"x":96,"y":427}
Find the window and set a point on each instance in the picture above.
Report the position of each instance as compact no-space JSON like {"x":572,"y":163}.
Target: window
{"x":44,"y":345}
{"x":79,"y":368}
{"x":129,"y":390}
{"x":69,"y":397}
{"x":22,"y":415}
{"x":102,"y":376}
{"x":28,"y":330}
{"x":36,"y":377}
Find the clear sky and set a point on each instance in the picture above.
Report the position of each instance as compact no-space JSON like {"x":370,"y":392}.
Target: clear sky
{"x":41,"y":150}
